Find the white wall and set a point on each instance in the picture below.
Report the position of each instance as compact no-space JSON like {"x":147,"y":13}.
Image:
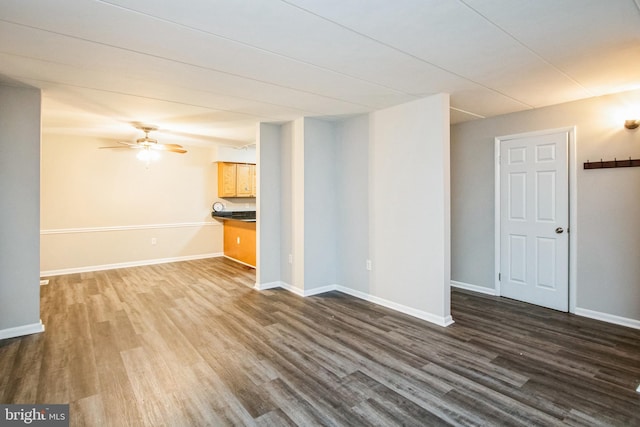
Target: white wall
{"x":20,"y":213}
{"x":223,"y":153}
{"x":101,"y":208}
{"x":608,"y":205}
{"x":409,"y":206}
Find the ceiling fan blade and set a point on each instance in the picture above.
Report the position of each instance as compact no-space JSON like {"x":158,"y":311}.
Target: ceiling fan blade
{"x":176,"y":150}
{"x":129,"y":144}
{"x":121,"y":146}
{"x":167,"y":147}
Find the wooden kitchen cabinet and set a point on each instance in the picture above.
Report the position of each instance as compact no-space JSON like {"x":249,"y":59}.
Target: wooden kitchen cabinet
{"x":240,"y":241}
{"x":244,"y":180}
{"x":236,"y":179}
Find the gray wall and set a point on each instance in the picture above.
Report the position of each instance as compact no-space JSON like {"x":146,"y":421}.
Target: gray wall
{"x":20,"y":213}
{"x":373,"y":187}
{"x":321,"y":211}
{"x":286,"y":203}
{"x":608,"y":202}
{"x":268,"y":203}
{"x":409,"y":205}
{"x":352,"y":201}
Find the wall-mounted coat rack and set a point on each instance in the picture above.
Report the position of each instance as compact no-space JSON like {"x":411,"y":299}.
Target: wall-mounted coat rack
{"x":612,"y":164}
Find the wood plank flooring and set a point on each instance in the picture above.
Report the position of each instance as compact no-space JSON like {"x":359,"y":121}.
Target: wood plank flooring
{"x":191,"y":344}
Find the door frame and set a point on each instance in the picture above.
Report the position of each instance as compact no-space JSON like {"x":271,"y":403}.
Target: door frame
{"x":573,"y":207}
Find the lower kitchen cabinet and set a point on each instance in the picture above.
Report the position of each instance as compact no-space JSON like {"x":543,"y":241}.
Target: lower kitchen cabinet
{"x":240,"y":241}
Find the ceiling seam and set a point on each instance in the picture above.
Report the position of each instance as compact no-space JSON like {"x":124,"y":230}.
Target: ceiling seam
{"x":467,"y":112}
{"x":189,"y":64}
{"x":407,"y":53}
{"x":271,"y":52}
{"x":115,"y":92}
{"x":528,"y":48}
{"x":175,"y":86}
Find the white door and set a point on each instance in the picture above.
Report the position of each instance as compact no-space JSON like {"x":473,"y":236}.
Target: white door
{"x":534,"y":219}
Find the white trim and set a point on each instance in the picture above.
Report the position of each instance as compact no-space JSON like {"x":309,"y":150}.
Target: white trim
{"x":573,"y":220}
{"x":496,"y":218}
{"x":18,"y":331}
{"x":141,"y":263}
{"x":293,"y":289}
{"x":266,"y":286}
{"x":573,"y":206}
{"x":606,"y":317}
{"x":128,"y":227}
{"x":321,"y":290}
{"x":473,"y":288}
{"x":423,"y":315}
{"x":238,"y":261}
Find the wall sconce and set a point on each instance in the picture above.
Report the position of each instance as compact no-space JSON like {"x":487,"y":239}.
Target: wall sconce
{"x":631,"y":124}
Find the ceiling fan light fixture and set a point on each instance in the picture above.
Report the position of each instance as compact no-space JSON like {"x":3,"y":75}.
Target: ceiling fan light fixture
{"x":147,"y":155}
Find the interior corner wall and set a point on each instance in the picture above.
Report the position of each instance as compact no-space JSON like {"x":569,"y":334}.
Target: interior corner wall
{"x":352,"y":193}
{"x":409,"y":210}
{"x":320,"y":207}
{"x":286,"y":202}
{"x":20,"y":213}
{"x":268,"y":207}
{"x":608,"y":206}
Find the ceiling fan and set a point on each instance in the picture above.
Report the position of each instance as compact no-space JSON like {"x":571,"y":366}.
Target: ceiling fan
{"x":146,"y":143}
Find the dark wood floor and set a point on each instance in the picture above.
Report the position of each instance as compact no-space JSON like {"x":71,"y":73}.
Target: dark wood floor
{"x":192,"y":344}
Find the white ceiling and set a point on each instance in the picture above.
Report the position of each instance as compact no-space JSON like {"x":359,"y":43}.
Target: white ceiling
{"x":206,"y":71}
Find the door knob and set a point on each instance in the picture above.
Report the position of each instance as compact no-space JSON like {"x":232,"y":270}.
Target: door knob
{"x":559,"y":230}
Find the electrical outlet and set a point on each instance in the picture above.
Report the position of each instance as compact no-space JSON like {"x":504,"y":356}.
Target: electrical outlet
{"x":290,"y":259}
{"x":238,"y":240}
{"x":154,"y":240}
{"x":369,"y":264}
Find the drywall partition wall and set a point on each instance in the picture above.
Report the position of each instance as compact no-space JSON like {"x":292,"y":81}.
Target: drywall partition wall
{"x":268,"y":206}
{"x":20,"y":213}
{"x":608,"y":206}
{"x":321,"y":210}
{"x":104,"y":208}
{"x":297,"y":205}
{"x":352,"y":203}
{"x":286,"y":204}
{"x":409,"y":207}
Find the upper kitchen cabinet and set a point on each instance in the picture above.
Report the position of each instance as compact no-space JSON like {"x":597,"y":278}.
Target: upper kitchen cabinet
{"x":236,"y":179}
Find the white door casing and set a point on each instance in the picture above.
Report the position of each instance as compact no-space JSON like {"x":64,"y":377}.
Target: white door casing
{"x":534,"y":218}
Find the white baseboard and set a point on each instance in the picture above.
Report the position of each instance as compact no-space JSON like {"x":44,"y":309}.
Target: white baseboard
{"x":91,"y":268}
{"x":291,"y":288}
{"x":239,"y":262}
{"x":474,"y":288}
{"x":269,"y":285}
{"x":606,"y":317}
{"x":18,"y":331}
{"x":423,"y":315}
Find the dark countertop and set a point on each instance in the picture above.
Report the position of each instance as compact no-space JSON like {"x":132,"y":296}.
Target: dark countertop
{"x":244,"y":216}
